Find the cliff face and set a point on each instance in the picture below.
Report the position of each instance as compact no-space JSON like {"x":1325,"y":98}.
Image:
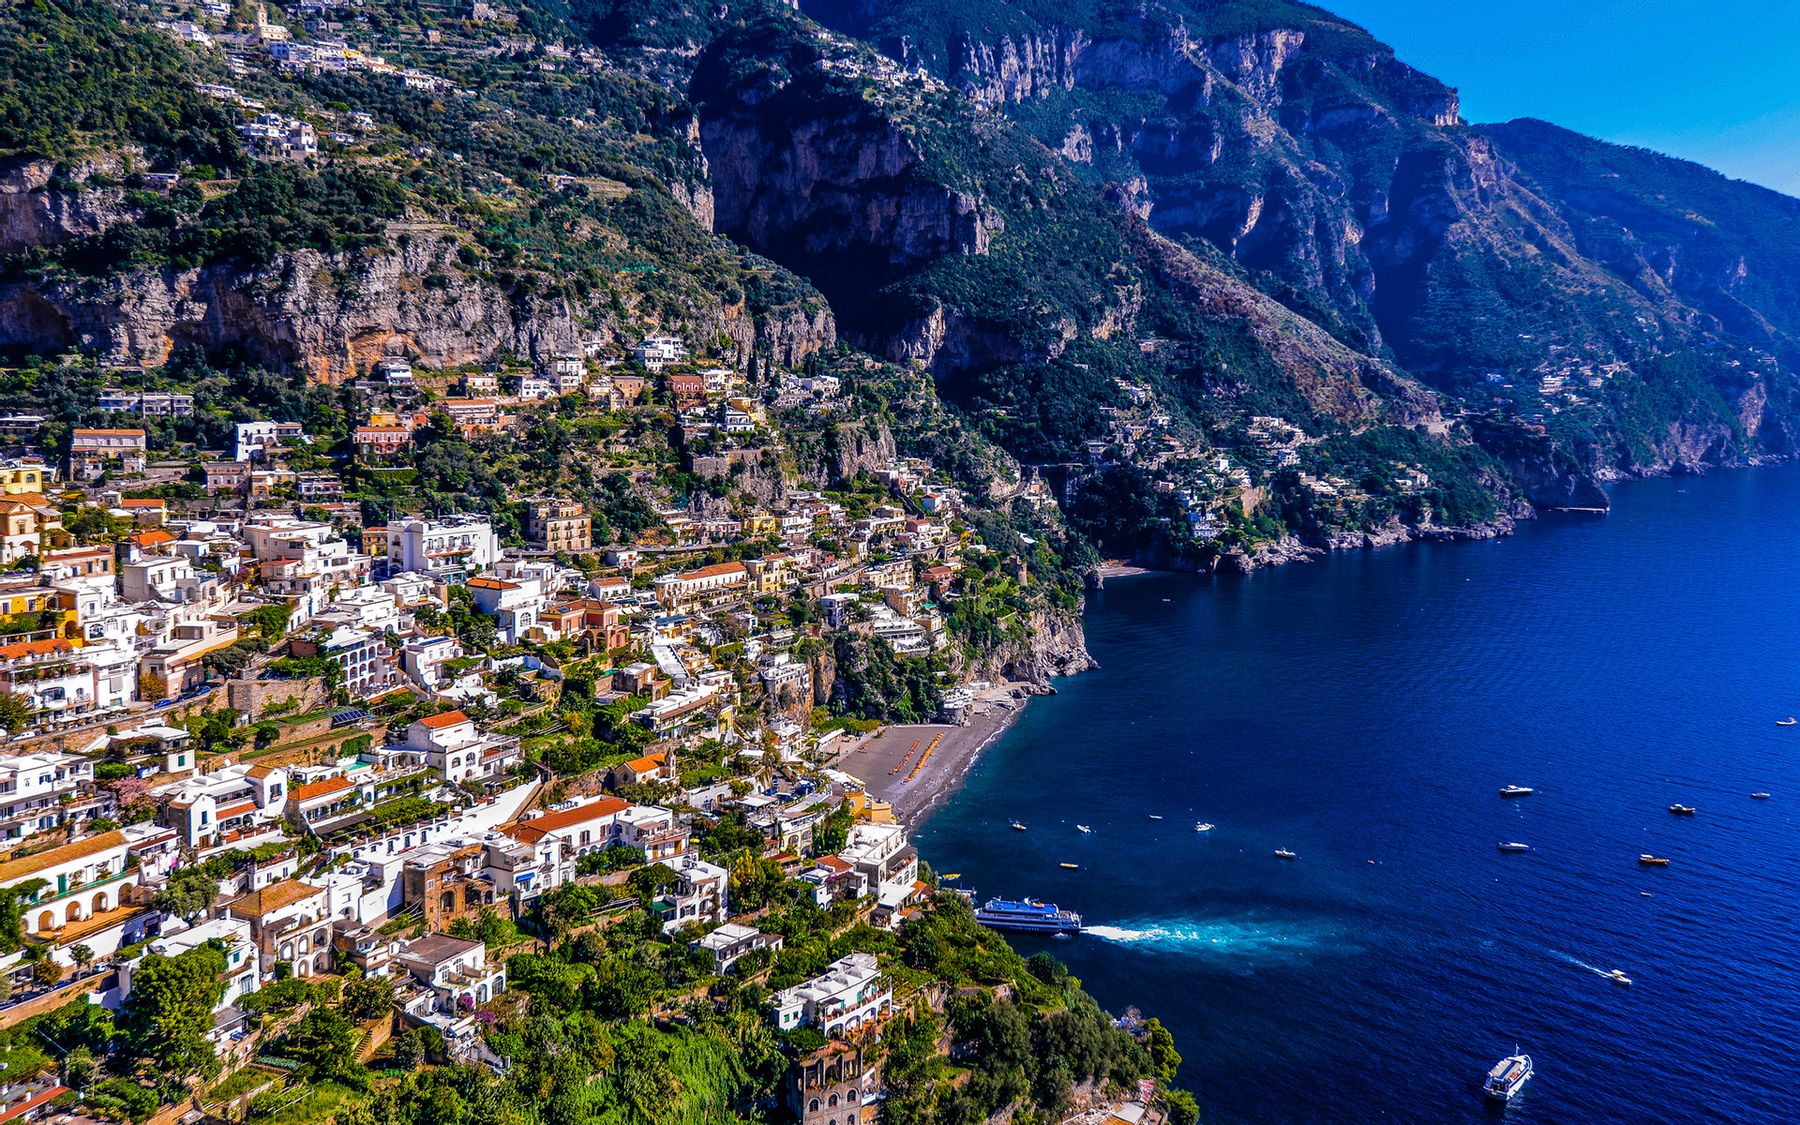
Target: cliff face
{"x":1345,"y":185}
{"x":1054,"y":646}
{"x":331,"y":315}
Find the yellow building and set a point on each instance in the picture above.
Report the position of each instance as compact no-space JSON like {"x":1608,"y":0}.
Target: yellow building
{"x":18,"y":477}
{"x":871,"y":809}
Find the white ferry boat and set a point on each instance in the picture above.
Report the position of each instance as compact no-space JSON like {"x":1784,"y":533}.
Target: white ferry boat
{"x":1028,"y":914}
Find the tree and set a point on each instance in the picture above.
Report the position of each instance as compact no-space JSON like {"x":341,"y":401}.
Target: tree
{"x":79,"y":1068}
{"x":47,"y":973}
{"x":190,"y":894}
{"x":324,"y":1044}
{"x":1183,"y":1110}
{"x":1161,"y":1046}
{"x":169,"y":1010}
{"x":368,"y":997}
{"x":14,"y":712}
{"x":409,"y":1053}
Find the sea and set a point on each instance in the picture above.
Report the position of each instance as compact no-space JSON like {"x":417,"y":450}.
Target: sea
{"x":1364,"y":712}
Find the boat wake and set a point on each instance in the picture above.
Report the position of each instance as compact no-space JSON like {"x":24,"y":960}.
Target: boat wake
{"x":1221,"y":937}
{"x":1580,"y":964}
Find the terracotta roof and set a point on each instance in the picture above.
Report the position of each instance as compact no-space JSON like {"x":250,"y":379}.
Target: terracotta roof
{"x":833,"y":864}
{"x":238,"y":809}
{"x":492,"y":584}
{"x":531,"y":831}
{"x":647,"y":763}
{"x":261,"y":904}
{"x":447,"y":719}
{"x":260,"y":772}
{"x":108,"y":433}
{"x":143,"y":504}
{"x":318,"y":789}
{"x":34,"y":648}
{"x":715,"y":570}
{"x":30,"y":865}
{"x":155,"y":537}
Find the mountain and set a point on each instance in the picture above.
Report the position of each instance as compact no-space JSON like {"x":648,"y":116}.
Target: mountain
{"x":1122,"y":239}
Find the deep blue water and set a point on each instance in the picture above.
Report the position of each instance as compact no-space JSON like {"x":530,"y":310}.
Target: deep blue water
{"x":1369,"y":708}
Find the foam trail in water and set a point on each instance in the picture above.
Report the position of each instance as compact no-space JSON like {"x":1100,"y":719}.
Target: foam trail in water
{"x":1223,"y":937}
{"x":1580,"y":964}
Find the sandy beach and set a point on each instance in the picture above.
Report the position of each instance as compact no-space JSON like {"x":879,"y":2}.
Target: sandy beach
{"x":890,"y":762}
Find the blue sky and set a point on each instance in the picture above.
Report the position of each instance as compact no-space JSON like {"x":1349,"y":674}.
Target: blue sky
{"x":1717,"y":82}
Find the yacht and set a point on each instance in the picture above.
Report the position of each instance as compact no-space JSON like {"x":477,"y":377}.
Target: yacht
{"x":1070,"y":866}
{"x":1617,"y":976}
{"x":1517,"y":791}
{"x":1083,"y":828}
{"x":1514,"y":846}
{"x":1028,"y":914}
{"x":1155,"y":816}
{"x":1787,"y":722}
{"x":1507,"y":1078}
{"x":1017,"y":827}
{"x":1205,"y":826}
{"x":1682,"y":810}
{"x":1649,"y":860}
{"x":1759,"y":796}
{"x":1283,"y":853}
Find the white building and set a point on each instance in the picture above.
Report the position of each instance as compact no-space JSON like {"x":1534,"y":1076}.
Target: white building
{"x":839,"y":1001}
{"x":37,"y":791}
{"x":447,"y":548}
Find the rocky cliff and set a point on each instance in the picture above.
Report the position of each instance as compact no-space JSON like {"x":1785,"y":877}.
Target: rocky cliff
{"x":329,"y":314}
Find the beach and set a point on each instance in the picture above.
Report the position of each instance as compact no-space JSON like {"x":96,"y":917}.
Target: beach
{"x":917,"y":767}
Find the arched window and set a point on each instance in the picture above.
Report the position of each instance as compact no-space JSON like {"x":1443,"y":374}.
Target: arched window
{"x":100,"y":903}
{"x":46,"y":921}
{"x":851,"y":1096}
{"x":812,"y":1106}
{"x":832,"y":1100}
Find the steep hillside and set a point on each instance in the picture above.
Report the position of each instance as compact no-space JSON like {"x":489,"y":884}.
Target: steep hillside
{"x":497,"y":205}
{"x":1345,"y":183}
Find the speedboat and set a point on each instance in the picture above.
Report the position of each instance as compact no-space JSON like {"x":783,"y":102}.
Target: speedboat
{"x":1205,"y":826}
{"x":1070,"y":866}
{"x":1507,"y":1078}
{"x":1514,"y":846}
{"x":1682,"y":810}
{"x":1617,"y":976}
{"x":1283,"y":853}
{"x":1517,"y":791}
{"x":1759,"y":796}
{"x":1649,"y":860}
{"x":1017,"y":827}
{"x":1787,"y":722}
{"x":1083,"y":828}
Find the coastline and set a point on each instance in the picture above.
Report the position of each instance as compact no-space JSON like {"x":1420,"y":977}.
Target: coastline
{"x":889,"y":762}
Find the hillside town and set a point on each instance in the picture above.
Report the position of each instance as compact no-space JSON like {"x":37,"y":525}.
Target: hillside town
{"x":243,"y":719}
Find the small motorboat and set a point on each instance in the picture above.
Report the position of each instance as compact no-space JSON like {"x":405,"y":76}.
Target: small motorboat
{"x":1514,"y":846}
{"x":1205,"y":826}
{"x":1649,"y":860}
{"x":1283,"y":853}
{"x":1017,"y":827}
{"x":1083,"y":828}
{"x":1070,"y":866}
{"x":1787,"y":722}
{"x":952,"y":877}
{"x":1507,"y":1078}
{"x":1155,"y":816}
{"x":1617,"y":976}
{"x":1682,"y":810}
{"x":1517,"y":791}
{"x":1759,"y":796}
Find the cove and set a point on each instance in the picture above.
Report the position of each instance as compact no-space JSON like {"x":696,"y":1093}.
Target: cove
{"x":1363,"y":712}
